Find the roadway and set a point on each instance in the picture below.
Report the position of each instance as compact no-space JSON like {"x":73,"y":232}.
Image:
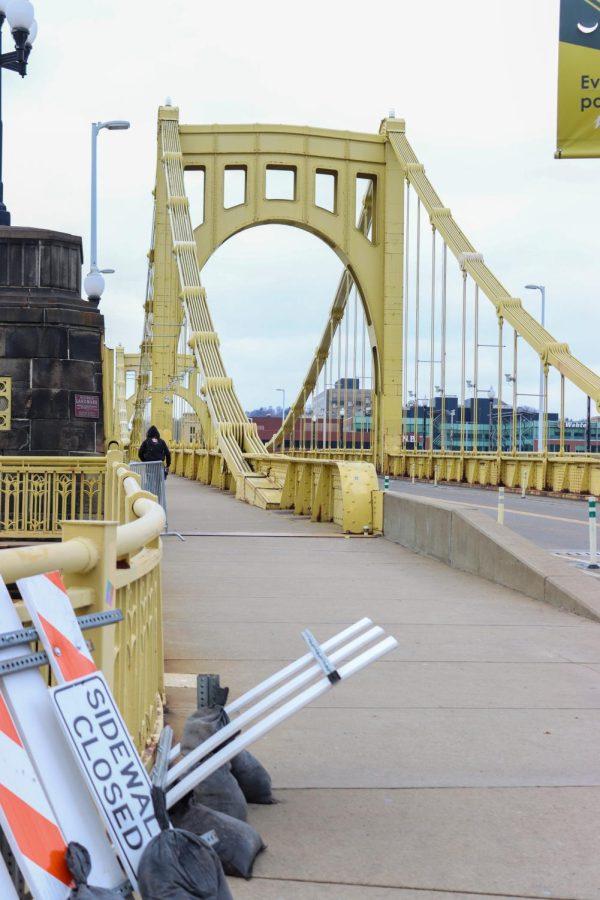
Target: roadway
{"x":465,"y":764}
{"x":550,"y":522}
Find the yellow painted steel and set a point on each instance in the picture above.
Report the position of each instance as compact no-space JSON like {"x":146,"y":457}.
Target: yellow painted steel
{"x":328,"y":490}
{"x":122,"y":548}
{"x":369,"y":241}
{"x":575,"y":473}
{"x":37,"y":493}
{"x":121,"y":419}
{"x":5,"y":403}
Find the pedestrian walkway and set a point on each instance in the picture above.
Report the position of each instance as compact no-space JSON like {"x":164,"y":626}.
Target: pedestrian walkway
{"x":467,"y":763}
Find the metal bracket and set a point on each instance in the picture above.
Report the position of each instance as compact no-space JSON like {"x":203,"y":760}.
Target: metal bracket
{"x":87,"y":622}
{"x":208,"y":690}
{"x":321,"y":657}
{"x":27,"y":635}
{"x":163,"y":751}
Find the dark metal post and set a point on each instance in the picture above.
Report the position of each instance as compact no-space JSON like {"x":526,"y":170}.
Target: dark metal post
{"x":588,"y":432}
{"x":4,"y":214}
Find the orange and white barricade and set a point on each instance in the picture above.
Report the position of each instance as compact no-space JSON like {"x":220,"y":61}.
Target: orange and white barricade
{"x":27,"y":820}
{"x":95,"y":733}
{"x":28,"y":707}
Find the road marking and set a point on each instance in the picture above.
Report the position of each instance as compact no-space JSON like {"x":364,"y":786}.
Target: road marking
{"x":515,"y":512}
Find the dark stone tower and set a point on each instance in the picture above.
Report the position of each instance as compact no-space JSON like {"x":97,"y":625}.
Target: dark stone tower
{"x":50,"y":348}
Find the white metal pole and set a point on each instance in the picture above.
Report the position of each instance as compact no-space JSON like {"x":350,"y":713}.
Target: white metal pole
{"x":593,"y":534}
{"x":287,"y":671}
{"x":296,"y":666}
{"x":501,"y":506}
{"x":219,"y":738}
{"x":94,"y":200}
{"x":541,"y":414}
{"x":275,"y":718}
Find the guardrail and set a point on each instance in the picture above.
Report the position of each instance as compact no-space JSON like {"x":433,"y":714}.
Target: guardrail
{"x":112,"y":563}
{"x":37,"y":493}
{"x":574,"y":473}
{"x":329,"y":490}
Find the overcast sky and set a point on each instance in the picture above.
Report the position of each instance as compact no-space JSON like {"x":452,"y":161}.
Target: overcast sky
{"x":476,"y":83}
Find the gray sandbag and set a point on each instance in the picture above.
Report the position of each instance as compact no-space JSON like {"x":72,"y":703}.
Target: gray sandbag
{"x":178,"y":865}
{"x":220,"y":791}
{"x":79,"y":864}
{"x":253,"y":778}
{"x":238,"y":842}
{"x":201,"y":725}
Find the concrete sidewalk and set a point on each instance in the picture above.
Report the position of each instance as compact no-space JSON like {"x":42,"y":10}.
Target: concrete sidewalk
{"x":465,"y":764}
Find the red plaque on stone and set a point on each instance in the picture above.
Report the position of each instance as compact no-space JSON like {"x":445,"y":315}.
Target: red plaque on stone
{"x":87,"y":406}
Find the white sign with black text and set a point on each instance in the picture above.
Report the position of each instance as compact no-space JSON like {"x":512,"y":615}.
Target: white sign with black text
{"x":106,"y":755}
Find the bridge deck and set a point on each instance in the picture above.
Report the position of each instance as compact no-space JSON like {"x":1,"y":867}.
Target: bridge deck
{"x":467,"y":762}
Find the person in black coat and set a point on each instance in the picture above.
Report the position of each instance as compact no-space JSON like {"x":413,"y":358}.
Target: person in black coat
{"x":154,"y":449}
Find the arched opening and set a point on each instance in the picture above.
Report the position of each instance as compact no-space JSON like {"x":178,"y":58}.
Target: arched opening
{"x":270,"y":289}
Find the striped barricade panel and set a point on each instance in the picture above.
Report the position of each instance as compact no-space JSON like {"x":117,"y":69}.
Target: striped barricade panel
{"x":51,"y":612}
{"x":27,"y":699}
{"x":94,"y":729}
{"x":27,"y":819}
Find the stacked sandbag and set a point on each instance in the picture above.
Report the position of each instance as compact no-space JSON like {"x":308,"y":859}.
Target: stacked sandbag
{"x":79,"y":864}
{"x":237,"y":843}
{"x":252,"y":778}
{"x":178,"y":865}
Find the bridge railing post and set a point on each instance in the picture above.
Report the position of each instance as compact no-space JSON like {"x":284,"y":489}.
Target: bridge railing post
{"x":97,"y":583}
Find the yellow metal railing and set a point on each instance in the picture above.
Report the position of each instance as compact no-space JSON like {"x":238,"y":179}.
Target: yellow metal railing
{"x":328,"y":490}
{"x":109,"y":562}
{"x":574,"y":473}
{"x":36,"y":493}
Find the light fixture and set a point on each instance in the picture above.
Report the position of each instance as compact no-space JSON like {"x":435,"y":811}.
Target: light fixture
{"x":94,"y":285}
{"x":116,"y":125}
{"x":20,"y":15}
{"x":21,"y":20}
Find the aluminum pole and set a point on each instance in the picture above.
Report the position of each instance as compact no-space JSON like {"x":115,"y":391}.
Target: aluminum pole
{"x":94,"y":200}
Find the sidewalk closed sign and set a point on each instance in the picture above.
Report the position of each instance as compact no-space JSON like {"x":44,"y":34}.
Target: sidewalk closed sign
{"x":110,"y":763}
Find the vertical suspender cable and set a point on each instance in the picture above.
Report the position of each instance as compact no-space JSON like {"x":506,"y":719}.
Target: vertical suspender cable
{"x":432,"y":347}
{"x":417,"y":311}
{"x":475,"y":417}
{"x":515,"y":395}
{"x":355,"y":392}
{"x":499,"y":410}
{"x":443,"y":351}
{"x":562,"y":415}
{"x":324,"y":370}
{"x":463,"y":365}
{"x":363,"y":403}
{"x":545,"y":432}
{"x":406,"y":298}
{"x":344,"y":428}
{"x":339,"y":383}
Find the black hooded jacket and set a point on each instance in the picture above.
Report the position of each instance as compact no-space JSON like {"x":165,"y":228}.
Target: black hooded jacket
{"x":154,"y":449}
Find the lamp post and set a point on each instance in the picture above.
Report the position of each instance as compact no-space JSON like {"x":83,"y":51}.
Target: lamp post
{"x":20,"y":17}
{"x":94,"y":282}
{"x":542,"y":290}
{"x":282,"y":392}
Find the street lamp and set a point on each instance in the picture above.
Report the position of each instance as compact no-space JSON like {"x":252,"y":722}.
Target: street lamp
{"x":94,"y":282}
{"x":542,"y":290}
{"x":282,"y":392}
{"x":21,"y":21}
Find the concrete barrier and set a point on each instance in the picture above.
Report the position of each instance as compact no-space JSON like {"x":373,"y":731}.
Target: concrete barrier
{"x":467,"y":539}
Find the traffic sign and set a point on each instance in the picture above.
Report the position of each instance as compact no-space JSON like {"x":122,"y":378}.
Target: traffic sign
{"x":110,"y":764}
{"x":28,"y":701}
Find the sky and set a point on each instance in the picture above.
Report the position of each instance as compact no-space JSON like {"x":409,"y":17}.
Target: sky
{"x":476,"y":83}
